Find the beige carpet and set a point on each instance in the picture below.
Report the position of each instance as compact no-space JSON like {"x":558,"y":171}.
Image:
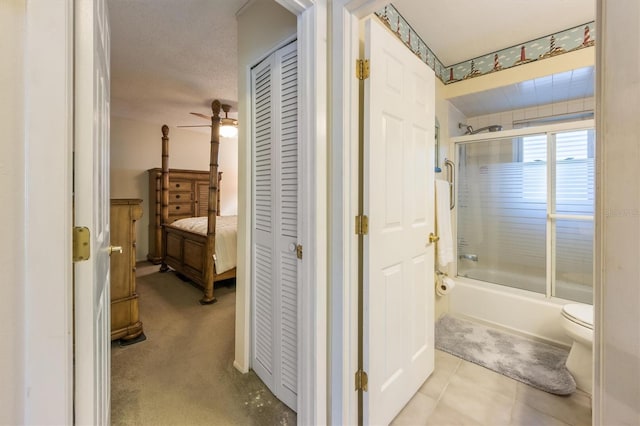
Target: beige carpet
{"x":183,"y":373}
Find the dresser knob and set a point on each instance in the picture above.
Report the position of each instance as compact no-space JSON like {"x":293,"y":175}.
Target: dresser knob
{"x":114,"y":249}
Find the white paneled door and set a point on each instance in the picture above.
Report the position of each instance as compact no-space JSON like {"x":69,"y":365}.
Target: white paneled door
{"x":398,"y":279}
{"x":91,"y":210}
{"x":275,"y":319}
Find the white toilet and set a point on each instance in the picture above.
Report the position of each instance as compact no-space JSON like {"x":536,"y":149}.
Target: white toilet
{"x":577,"y":321}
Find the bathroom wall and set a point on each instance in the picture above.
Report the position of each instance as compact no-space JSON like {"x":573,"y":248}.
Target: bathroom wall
{"x":617,"y":331}
{"x":448,"y":117}
{"x":136,"y":146}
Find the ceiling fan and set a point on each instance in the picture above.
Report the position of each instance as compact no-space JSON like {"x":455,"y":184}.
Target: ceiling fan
{"x":228,"y":126}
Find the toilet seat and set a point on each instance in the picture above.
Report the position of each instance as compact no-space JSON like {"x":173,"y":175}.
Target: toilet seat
{"x":579,"y":313}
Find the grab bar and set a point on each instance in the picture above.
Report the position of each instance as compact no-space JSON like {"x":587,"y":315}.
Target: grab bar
{"x":451,"y":177}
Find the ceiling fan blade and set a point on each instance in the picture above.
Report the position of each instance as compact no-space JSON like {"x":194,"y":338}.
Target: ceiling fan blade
{"x":200,"y":125}
{"x":197,"y":114}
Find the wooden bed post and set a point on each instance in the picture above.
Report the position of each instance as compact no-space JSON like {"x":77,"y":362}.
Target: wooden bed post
{"x":164,"y":219}
{"x":208,"y":297}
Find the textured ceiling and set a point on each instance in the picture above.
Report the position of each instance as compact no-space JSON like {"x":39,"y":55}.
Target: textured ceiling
{"x":171,"y":57}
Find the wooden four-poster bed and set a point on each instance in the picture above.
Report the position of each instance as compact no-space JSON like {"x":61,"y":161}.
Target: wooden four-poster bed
{"x":187,"y":250}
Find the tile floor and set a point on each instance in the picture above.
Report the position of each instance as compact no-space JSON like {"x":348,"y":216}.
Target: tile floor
{"x":462,"y":393}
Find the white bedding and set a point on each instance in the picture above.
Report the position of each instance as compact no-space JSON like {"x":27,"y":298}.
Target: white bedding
{"x":226,"y":238}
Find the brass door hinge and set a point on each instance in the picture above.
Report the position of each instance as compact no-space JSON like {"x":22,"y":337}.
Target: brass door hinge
{"x":362,"y":380}
{"x":81,"y":243}
{"x":362,"y":69}
{"x":299,"y":251}
{"x":362,"y":225}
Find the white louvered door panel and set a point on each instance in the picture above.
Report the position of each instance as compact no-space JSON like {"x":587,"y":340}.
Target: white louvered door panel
{"x":287,"y":211}
{"x":263,"y":236}
{"x":275,"y":207}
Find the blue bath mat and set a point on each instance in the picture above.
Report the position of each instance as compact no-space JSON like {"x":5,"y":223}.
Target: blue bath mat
{"x":528,"y":361}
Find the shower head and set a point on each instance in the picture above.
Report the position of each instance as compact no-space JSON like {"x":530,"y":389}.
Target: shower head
{"x":468,"y":129}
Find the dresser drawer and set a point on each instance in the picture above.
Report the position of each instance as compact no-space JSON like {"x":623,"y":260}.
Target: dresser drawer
{"x":176,"y":197}
{"x":180,"y":185}
{"x":180,"y":209}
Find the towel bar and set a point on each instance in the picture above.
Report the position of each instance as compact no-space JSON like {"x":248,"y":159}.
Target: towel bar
{"x":451,"y":170}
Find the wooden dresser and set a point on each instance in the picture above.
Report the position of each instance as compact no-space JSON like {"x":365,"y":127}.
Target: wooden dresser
{"x":188,"y":197}
{"x":125,"y":318}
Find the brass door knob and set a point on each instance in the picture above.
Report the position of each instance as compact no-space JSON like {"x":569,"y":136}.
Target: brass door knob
{"x":114,"y":249}
{"x":433,"y":238}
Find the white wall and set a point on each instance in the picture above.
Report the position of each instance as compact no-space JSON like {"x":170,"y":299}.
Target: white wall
{"x":12,"y":225}
{"x":262,"y":26}
{"x":137,"y":146}
{"x":617,"y":299}
{"x":448,"y":117}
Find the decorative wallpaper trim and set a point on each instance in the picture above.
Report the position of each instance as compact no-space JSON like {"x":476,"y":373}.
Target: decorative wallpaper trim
{"x":545,"y":47}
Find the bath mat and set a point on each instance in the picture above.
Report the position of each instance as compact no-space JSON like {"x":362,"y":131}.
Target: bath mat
{"x":528,"y":361}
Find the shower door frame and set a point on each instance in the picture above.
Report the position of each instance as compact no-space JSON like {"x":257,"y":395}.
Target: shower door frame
{"x":551,"y":130}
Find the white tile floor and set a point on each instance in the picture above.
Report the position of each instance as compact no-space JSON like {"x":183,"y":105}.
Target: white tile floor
{"x":462,"y":393}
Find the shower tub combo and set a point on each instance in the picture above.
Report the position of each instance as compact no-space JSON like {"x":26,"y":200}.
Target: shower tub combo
{"x":524,"y":226}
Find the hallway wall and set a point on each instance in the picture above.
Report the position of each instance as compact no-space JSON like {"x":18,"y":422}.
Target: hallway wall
{"x":12,"y":163}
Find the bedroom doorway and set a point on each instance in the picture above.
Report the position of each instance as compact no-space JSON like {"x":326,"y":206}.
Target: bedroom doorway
{"x":275,"y":252}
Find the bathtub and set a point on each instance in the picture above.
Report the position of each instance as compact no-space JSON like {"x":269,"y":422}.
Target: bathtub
{"x":516,"y":310}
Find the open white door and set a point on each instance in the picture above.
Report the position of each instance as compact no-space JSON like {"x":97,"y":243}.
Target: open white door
{"x":398,"y":278}
{"x":91,"y":210}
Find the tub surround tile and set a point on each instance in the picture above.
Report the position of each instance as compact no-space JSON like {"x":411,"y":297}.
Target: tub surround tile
{"x":560,"y":108}
{"x":576,"y":105}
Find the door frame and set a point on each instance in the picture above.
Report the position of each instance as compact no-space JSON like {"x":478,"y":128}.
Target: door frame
{"x":345,"y":18}
{"x":47,"y":344}
{"x":328,"y":45}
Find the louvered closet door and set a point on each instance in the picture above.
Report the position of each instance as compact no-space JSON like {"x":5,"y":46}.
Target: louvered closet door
{"x":275,"y":227}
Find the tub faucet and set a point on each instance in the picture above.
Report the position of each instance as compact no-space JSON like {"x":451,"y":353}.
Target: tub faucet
{"x":471,"y":257}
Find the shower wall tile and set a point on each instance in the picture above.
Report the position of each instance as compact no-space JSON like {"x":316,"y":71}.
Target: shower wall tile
{"x":506,"y":119}
{"x":589,"y":104}
{"x":575,"y":105}
{"x":531,"y":112}
{"x":518,"y":114}
{"x":545,"y":111}
{"x":560,"y":108}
